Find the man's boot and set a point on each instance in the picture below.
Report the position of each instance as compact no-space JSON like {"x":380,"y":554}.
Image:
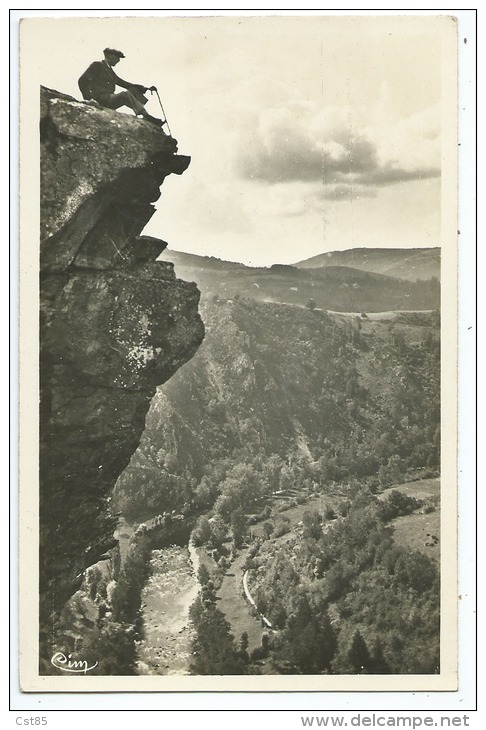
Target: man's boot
{"x":154,"y":120}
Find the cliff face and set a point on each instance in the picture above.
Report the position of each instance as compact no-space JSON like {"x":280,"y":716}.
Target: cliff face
{"x":114,"y":323}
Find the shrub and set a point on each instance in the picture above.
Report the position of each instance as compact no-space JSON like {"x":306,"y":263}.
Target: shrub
{"x":281,"y":528}
{"x":398,"y":504}
{"x":329,"y":513}
{"x":260,"y":652}
{"x":268,"y":529}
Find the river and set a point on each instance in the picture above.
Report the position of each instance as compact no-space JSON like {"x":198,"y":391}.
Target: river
{"x":166,"y":598}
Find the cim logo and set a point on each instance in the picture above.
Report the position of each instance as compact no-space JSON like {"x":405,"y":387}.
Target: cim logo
{"x":68,"y":664}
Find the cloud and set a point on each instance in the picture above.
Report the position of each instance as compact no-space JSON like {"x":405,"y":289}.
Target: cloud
{"x":345,"y":150}
{"x":388,"y":175}
{"x":346,"y":192}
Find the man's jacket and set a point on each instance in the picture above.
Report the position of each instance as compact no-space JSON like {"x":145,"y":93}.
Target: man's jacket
{"x":99,"y":80}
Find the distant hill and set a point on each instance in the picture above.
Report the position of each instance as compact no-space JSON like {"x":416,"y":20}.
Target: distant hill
{"x":338,"y":287}
{"x":193,"y":261}
{"x":411,"y":264}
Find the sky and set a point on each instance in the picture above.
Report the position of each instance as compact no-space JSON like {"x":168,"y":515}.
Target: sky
{"x":307,"y":134}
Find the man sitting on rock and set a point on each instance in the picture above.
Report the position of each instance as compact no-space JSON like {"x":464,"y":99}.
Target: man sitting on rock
{"x":99,"y":82}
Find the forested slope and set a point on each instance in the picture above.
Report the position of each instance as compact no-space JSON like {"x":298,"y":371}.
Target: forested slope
{"x":293,"y":396}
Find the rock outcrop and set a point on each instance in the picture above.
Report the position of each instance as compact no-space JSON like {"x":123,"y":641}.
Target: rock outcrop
{"x":114,"y":323}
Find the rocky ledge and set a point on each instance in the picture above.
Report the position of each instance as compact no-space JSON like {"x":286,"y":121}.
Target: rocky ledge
{"x":114,"y":324}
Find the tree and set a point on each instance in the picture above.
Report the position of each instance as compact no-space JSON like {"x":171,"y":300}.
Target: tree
{"x":398,"y":504}
{"x":244,"y":641}
{"x":203,"y":574}
{"x":312,"y":521}
{"x":112,"y":648}
{"x":238,"y":526}
{"x":201,"y":532}
{"x":309,"y":639}
{"x":379,"y":665}
{"x":311,"y":304}
{"x":214,"y":650}
{"x":358,"y":655}
{"x":125,"y":599}
{"x":218,"y":531}
{"x":205,"y":492}
{"x":267,"y":529}
{"x":391,"y":472}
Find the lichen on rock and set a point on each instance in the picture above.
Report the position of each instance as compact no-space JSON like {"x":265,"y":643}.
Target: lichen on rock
{"x":114,"y":324}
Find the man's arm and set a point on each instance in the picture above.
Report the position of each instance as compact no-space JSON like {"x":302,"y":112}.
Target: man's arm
{"x":127,"y":84}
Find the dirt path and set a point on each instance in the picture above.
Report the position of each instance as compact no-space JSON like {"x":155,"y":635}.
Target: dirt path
{"x":166,"y":599}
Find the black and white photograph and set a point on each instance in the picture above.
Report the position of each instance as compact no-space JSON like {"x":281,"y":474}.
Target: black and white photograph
{"x":238,"y":300}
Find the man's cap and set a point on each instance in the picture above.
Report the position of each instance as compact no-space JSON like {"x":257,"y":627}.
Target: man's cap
{"x":113,"y":52}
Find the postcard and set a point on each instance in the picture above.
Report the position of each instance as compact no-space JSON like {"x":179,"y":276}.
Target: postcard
{"x":238,"y":353}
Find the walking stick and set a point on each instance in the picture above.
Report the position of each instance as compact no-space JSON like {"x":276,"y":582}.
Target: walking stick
{"x":154,"y":88}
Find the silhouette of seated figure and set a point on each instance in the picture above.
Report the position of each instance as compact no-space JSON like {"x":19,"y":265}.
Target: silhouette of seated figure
{"x":99,"y":83}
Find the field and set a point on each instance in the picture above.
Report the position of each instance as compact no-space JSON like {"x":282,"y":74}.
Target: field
{"x":419,"y":531}
{"x":421,"y":489}
{"x":235,"y":607}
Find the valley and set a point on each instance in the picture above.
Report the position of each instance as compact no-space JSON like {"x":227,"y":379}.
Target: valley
{"x":300,"y":448}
